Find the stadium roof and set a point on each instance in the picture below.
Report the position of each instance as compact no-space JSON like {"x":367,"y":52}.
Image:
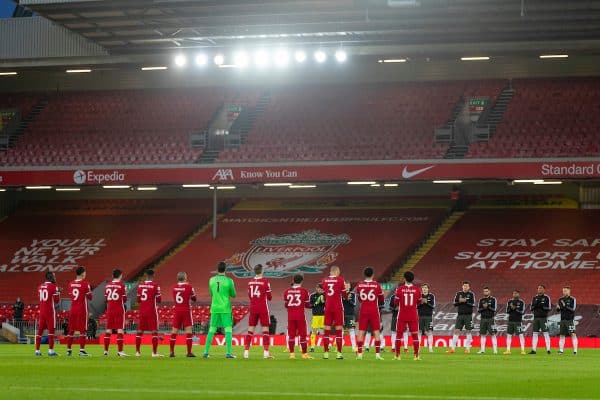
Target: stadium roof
{"x":365,"y":26}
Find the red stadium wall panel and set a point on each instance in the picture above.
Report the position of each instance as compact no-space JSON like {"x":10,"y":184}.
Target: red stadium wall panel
{"x":307,"y":172}
{"x":300,"y":241}
{"x":517,"y":249}
{"x":30,"y":245}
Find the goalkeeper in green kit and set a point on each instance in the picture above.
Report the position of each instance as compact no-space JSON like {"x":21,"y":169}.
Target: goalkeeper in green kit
{"x":222,"y":290}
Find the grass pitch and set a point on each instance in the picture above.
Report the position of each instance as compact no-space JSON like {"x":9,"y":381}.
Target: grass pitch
{"x":438,"y":376}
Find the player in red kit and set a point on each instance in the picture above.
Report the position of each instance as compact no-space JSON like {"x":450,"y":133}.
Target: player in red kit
{"x":80,"y":291}
{"x":148,"y":295}
{"x":296,"y":299}
{"x":259,"y":293}
{"x":116,"y":296}
{"x":334,"y":288}
{"x":49,"y":295}
{"x":183,"y":294}
{"x":370,"y":295}
{"x":407,"y":297}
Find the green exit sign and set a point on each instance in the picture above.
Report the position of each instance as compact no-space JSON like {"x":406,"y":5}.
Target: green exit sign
{"x":478,"y":102}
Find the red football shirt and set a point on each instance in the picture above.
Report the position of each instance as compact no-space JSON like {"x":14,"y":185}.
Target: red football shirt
{"x":407,"y":298}
{"x":80,"y":292}
{"x":49,"y":296}
{"x":183,"y":294}
{"x":370,"y":295}
{"x":148,"y":294}
{"x":116,"y":296}
{"x":259,"y":292}
{"x":296,"y":299}
{"x":334,"y":288}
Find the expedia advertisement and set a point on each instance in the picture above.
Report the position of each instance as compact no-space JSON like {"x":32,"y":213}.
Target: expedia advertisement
{"x":91,"y":177}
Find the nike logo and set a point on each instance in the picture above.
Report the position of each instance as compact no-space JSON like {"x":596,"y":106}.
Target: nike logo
{"x":406,"y":174}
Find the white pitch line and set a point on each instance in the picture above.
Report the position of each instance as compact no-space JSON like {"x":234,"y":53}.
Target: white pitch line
{"x":278,"y":393}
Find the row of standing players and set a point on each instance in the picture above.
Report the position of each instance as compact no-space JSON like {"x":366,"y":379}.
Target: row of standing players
{"x":222,"y":290}
{"x":148,"y":296}
{"x":464,"y":300}
{"x":414,"y":312}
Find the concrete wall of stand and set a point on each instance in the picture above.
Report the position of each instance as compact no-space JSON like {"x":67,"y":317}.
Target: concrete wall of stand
{"x":359,"y":69}
{"x":341,"y":190}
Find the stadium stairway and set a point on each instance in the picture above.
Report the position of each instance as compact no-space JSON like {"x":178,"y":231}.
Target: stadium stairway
{"x":208,"y":157}
{"x":220,"y":122}
{"x":427,"y":245}
{"x":240,"y":127}
{"x":155,"y":265}
{"x":459,"y":148}
{"x":455,"y":150}
{"x":499,"y":108}
{"x":98,"y":305}
{"x":455,"y":111}
{"x":26,"y":121}
{"x":183,"y":244}
{"x":8,"y":333}
{"x":276,"y":309}
{"x":247,"y":123}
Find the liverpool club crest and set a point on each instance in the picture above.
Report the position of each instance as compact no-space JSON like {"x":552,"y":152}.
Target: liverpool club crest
{"x":308,"y":252}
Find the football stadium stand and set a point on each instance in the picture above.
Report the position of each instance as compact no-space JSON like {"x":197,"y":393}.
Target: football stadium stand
{"x":99,"y":235}
{"x":509,"y":249}
{"x":30,"y":312}
{"x":305,"y":241}
{"x":126,"y":127}
{"x":361,"y":122}
{"x":23,"y":103}
{"x":547,"y":118}
{"x":133,"y":127}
